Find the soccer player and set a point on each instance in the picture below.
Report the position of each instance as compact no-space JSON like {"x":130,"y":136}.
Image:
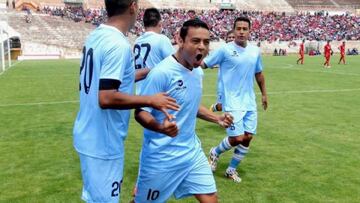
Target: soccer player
{"x":230,"y":36}
{"x":239,"y":64}
{"x":107,"y":77}
{"x":172,"y":161}
{"x":301,"y":53}
{"x":151,"y":47}
{"x":342,"y":53}
{"x":327,"y":54}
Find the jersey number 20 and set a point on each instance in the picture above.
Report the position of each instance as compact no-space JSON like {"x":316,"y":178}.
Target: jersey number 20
{"x":87,"y":65}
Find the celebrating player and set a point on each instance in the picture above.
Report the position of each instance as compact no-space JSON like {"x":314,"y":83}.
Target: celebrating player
{"x":172,"y":161}
{"x":151,"y":47}
{"x":239,"y":63}
{"x":107,"y":76}
{"x":217,"y":106}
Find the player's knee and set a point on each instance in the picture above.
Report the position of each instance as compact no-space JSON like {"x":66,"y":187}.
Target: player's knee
{"x":219,"y":107}
{"x":234,"y":141}
{"x":207,"y":198}
{"x":246,"y":140}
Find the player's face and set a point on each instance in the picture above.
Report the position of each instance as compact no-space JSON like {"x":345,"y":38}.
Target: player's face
{"x":242,"y":32}
{"x":230,"y":37}
{"x":195,"y":47}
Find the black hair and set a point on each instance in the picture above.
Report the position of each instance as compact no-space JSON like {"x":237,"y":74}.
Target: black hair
{"x":229,"y":32}
{"x":151,"y":17}
{"x":117,"y":7}
{"x":244,"y":19}
{"x":191,"y":23}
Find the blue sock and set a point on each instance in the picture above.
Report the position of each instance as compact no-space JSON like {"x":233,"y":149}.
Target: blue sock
{"x":223,"y":146}
{"x":239,"y":154}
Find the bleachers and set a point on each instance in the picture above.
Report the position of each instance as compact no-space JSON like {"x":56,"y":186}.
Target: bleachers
{"x":94,"y":4}
{"x":181,"y":4}
{"x":50,"y":31}
{"x":326,"y":5}
{"x":264,"y":5}
{"x":301,"y":3}
{"x":41,"y":3}
{"x":353,"y":3}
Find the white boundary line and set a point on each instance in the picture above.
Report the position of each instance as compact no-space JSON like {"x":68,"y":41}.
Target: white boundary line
{"x":299,"y":92}
{"x":40,"y":103}
{"x":292,"y":67}
{"x":204,"y":95}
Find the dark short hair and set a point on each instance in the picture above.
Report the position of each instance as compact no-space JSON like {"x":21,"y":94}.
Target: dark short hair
{"x":151,"y":17}
{"x":191,"y":23}
{"x":117,"y":7}
{"x":229,"y":32}
{"x":244,"y":19}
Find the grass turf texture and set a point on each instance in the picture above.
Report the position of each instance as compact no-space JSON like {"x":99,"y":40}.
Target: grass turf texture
{"x":306,"y":150}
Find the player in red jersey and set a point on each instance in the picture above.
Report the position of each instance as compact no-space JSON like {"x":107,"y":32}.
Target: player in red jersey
{"x":301,"y":53}
{"x":342,"y":53}
{"x":327,"y":54}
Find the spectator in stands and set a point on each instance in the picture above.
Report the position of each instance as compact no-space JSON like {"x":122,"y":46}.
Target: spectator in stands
{"x":270,"y":26}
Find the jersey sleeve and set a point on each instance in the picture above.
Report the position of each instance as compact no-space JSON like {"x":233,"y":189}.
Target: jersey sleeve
{"x":155,"y":82}
{"x":167,"y":48}
{"x":214,"y":58}
{"x":115,"y":61}
{"x":259,"y":66}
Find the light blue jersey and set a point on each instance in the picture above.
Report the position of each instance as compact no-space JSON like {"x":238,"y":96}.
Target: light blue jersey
{"x":97,"y":132}
{"x":161,"y":152}
{"x":238,"y":67}
{"x":150,"y":49}
{"x":219,"y":89}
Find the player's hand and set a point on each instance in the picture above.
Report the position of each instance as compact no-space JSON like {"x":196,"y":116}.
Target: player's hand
{"x":163,"y":102}
{"x":225,"y":120}
{"x":264,"y":102}
{"x":169,"y":127}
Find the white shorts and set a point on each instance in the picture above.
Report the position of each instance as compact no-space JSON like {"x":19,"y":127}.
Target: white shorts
{"x":244,"y":121}
{"x":102,"y":179}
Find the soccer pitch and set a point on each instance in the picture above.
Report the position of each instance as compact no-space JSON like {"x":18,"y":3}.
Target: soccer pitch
{"x":307,"y":148}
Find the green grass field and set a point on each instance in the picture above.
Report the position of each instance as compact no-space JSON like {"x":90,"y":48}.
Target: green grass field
{"x":307,"y":148}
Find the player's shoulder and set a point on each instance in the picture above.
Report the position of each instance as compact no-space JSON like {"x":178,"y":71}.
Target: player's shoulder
{"x":108,"y":38}
{"x":253,"y":48}
{"x":165,"y":66}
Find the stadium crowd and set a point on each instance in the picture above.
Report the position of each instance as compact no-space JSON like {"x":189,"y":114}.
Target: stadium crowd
{"x":270,"y":26}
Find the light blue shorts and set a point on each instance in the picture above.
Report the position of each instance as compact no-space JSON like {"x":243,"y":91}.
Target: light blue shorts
{"x":102,"y":179}
{"x":219,"y":97}
{"x":244,"y":121}
{"x":160,"y":186}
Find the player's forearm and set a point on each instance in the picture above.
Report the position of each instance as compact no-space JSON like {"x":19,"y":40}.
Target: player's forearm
{"x":141,"y":74}
{"x":260,"y":80}
{"x":146,"y":120}
{"x":207,"y":115}
{"x":112,"y":99}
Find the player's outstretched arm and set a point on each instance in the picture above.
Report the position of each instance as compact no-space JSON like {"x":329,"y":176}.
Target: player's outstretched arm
{"x":260,"y":79}
{"x":224,"y":120}
{"x":113,"y":99}
{"x":145,"y":119}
